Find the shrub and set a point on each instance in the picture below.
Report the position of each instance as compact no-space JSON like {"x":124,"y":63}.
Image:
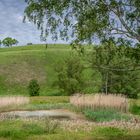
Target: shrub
{"x":70,"y":78}
{"x":135,"y":109}
{"x":50,"y":126}
{"x":34,"y":88}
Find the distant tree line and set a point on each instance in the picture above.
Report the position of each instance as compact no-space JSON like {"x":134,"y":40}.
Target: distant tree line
{"x":8,"y":42}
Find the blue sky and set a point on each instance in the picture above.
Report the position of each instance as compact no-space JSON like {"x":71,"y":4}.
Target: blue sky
{"x":11,"y":23}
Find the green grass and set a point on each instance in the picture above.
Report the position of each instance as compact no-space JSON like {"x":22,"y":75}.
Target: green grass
{"x":135,"y":107}
{"x":41,"y":103}
{"x":49,"y":99}
{"x":34,"y":130}
{"x":109,"y":132}
{"x":104,"y":115}
{"x":18,"y":65}
{"x":21,"y":129}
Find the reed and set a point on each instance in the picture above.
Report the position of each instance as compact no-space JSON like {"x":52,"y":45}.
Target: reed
{"x":10,"y":101}
{"x":112,"y":101}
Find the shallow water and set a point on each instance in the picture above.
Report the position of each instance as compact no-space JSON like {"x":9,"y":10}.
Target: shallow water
{"x":39,"y":114}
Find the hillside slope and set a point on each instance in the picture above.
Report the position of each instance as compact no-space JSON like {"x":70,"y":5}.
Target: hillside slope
{"x":18,"y":65}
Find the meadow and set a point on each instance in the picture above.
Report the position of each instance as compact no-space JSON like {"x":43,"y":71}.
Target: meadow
{"x":18,"y":65}
{"x":100,"y":116}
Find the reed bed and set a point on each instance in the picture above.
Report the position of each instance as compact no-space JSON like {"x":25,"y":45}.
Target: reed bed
{"x":13,"y":101}
{"x":112,"y":101}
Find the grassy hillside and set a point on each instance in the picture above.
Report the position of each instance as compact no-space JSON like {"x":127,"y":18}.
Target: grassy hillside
{"x":18,"y":65}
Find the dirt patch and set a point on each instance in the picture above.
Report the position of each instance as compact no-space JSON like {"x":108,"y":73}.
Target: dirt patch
{"x":22,"y":73}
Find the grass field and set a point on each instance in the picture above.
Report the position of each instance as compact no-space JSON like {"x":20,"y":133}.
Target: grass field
{"x":18,"y":65}
{"x":35,"y":130}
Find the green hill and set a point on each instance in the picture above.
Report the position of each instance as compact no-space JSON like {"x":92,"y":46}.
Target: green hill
{"x":18,"y":65}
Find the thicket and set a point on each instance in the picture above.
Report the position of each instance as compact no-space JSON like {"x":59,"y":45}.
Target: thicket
{"x":69,"y":74}
{"x":119,"y":68}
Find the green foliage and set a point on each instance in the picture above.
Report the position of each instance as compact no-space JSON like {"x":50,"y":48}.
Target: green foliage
{"x":97,"y":19}
{"x":70,"y":75}
{"x":51,"y":126}
{"x":135,"y":109}
{"x":15,"y":42}
{"x":0,"y":43}
{"x":104,"y":115}
{"x":119,"y":69}
{"x":19,"y":64}
{"x":102,"y":19}
{"x":34,"y":88}
{"x":9,"y":42}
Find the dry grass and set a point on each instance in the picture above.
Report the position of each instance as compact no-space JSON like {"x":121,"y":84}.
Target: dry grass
{"x":84,"y":125}
{"x":10,"y":101}
{"x":118,"y":102}
{"x":22,"y":72}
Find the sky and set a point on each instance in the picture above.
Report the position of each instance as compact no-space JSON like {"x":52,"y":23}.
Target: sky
{"x":11,"y":23}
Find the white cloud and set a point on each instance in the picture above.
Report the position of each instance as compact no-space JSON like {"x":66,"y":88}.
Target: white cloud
{"x":11,"y":23}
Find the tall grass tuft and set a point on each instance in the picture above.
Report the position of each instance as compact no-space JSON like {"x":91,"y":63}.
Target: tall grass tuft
{"x":10,"y":101}
{"x":117,"y":102}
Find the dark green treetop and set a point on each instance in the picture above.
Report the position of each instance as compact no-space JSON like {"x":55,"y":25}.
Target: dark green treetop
{"x":8,"y":41}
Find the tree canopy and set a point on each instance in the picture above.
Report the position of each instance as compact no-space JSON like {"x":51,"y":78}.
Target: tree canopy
{"x":86,"y":20}
{"x":8,"y":41}
{"x":120,"y":71}
{"x":0,"y":43}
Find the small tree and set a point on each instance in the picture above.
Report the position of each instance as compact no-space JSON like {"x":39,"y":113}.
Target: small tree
{"x":70,"y":75}
{"x":34,"y":88}
{"x":9,"y":42}
{"x":0,"y":43}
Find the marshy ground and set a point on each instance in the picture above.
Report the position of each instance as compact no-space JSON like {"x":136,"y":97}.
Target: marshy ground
{"x":57,"y":119}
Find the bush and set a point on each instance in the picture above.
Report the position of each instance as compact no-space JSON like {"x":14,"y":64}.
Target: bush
{"x":34,"y":88}
{"x":50,"y":126}
{"x":70,"y":78}
{"x":135,"y":109}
